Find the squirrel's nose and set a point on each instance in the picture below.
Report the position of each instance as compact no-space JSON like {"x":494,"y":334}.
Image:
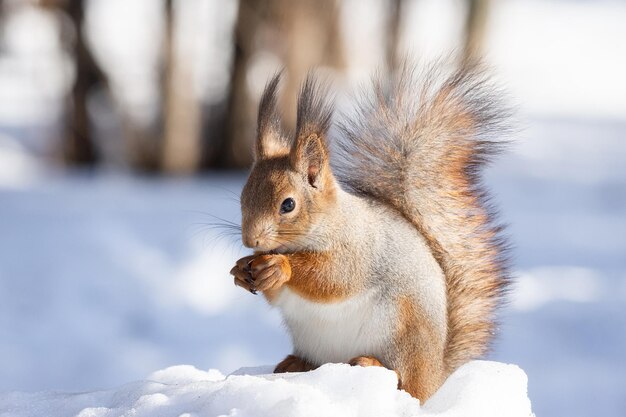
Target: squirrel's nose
{"x":254,"y":235}
{"x":251,"y":242}
{"x":248,"y":242}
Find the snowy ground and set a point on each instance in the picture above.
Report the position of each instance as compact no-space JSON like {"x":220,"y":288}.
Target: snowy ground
{"x":564,"y":196}
{"x":479,"y":389}
{"x":105,"y":279}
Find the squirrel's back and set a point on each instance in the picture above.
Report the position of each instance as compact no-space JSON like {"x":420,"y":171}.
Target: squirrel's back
{"x":417,"y":142}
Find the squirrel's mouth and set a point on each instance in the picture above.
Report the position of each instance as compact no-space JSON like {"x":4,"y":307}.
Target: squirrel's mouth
{"x":272,"y":248}
{"x":269,"y":242}
{"x":284,"y":250}
{"x":281,"y":249}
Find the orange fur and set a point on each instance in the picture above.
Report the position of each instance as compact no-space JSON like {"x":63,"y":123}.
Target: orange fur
{"x":293,"y":363}
{"x":305,"y":273}
{"x":419,"y":366}
{"x":311,"y":278}
{"x":366,"y":361}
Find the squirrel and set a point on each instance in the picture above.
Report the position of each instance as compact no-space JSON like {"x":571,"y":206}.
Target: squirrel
{"x":391,"y":255}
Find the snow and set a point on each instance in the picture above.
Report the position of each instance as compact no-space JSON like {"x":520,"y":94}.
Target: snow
{"x":478,"y":389}
{"x":540,"y":286}
{"x":105,"y":278}
{"x":102,"y":281}
{"x":17,"y":166}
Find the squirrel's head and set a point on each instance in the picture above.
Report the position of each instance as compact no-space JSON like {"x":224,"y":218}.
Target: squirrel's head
{"x":291,"y":186}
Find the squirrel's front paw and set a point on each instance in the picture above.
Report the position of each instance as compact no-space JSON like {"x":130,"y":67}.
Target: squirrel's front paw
{"x":243,"y":275}
{"x":270,"y":272}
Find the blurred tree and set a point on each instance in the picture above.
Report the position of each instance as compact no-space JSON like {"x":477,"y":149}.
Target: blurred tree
{"x":234,"y":149}
{"x":78,"y":144}
{"x":393,"y":31}
{"x":142,"y":144}
{"x":313,"y":34}
{"x":168,"y":143}
{"x":144,"y":138}
{"x":301,"y":34}
{"x":2,"y":12}
{"x":475,"y":26}
{"x":473,"y":35}
{"x":181,"y":150}
{"x":3,"y":16}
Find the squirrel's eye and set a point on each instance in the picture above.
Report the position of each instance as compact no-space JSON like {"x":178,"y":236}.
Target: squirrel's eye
{"x":288,"y":205}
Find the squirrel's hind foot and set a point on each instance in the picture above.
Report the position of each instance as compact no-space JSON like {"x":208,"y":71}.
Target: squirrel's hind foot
{"x":365,"y":361}
{"x":293,"y":363}
{"x":372,"y":361}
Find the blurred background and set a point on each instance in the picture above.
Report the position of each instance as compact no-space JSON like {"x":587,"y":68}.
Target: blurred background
{"x":126,"y":130}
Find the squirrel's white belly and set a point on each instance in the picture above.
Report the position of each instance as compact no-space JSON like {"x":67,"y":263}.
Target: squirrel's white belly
{"x":337,"y":332}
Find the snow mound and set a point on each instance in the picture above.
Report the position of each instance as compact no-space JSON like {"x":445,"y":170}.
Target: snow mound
{"x":478,"y":388}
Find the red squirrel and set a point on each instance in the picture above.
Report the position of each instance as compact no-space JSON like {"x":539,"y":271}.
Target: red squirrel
{"x":391,"y":256}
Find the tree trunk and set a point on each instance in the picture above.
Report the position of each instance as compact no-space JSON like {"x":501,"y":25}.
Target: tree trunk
{"x":78,"y":146}
{"x":475,"y":26}
{"x":235,"y":148}
{"x":304,"y":34}
{"x":313,"y":33}
{"x":394,"y":29}
{"x":181,"y":112}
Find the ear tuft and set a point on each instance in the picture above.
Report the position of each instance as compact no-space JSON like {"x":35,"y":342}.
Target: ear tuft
{"x":314,"y":109}
{"x":309,"y":154}
{"x":270,"y":140}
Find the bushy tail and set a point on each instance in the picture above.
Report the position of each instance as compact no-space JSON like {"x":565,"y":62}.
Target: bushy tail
{"x":417,"y":142}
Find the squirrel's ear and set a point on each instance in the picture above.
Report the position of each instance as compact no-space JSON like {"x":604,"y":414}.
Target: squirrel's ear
{"x":309,"y":154}
{"x":310,"y":157}
{"x":270,"y":141}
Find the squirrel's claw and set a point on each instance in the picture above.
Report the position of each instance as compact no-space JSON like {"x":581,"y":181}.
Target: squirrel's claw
{"x":247,"y":287}
{"x":243,"y":279}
